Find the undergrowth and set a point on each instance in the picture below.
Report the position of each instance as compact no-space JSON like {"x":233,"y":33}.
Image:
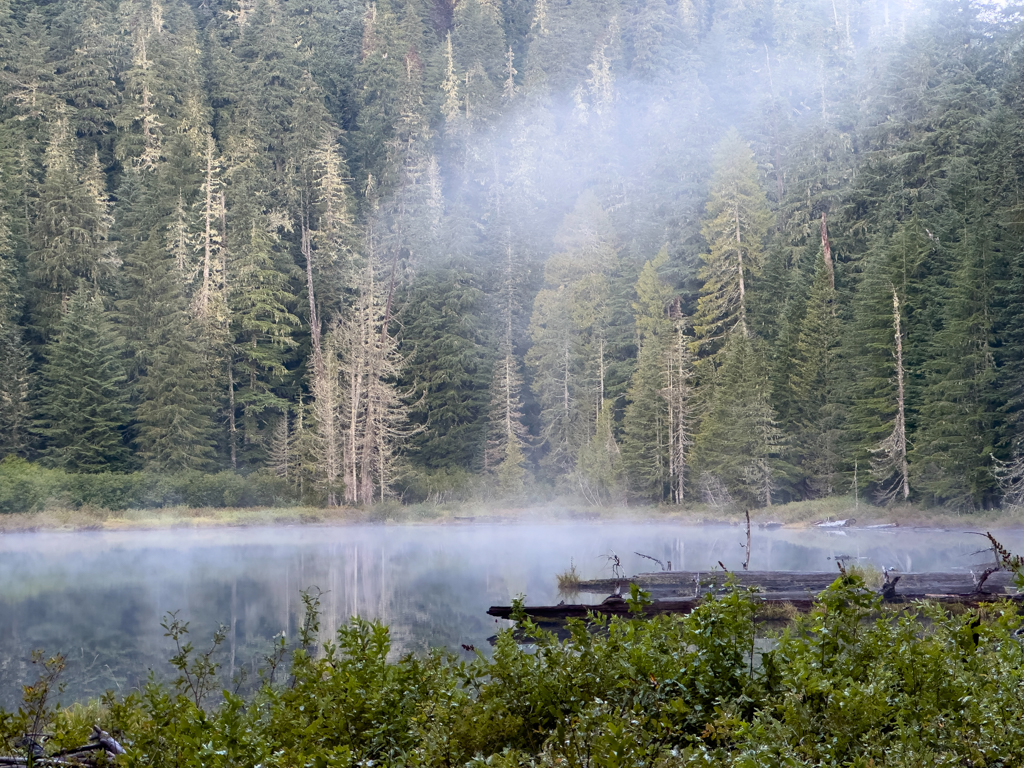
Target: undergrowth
{"x":852,"y":683}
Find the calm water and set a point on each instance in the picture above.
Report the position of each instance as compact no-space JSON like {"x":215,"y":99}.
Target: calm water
{"x":99,"y":597}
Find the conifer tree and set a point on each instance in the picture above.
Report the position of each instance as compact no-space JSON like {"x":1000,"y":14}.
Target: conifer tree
{"x":816,"y":383}
{"x":14,"y":380}
{"x":598,"y":473}
{"x":958,"y":426}
{"x":574,"y":339}
{"x":506,"y":437}
{"x":646,"y":425}
{"x":734,"y":227}
{"x":374,"y":417}
{"x":738,"y":441}
{"x":70,"y":228}
{"x":84,"y":72}
{"x":171,"y":366}
{"x":445,"y":369}
{"x":889,"y":462}
{"x":82,"y":403}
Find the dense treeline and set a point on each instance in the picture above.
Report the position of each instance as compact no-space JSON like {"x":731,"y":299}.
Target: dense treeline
{"x":645,"y":250}
{"x":851,"y":684}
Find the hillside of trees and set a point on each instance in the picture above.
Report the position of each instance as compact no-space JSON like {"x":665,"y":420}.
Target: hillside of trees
{"x":632,"y":250}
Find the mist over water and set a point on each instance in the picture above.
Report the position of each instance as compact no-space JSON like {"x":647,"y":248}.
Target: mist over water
{"x":99,"y":597}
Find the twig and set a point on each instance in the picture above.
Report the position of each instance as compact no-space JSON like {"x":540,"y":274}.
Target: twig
{"x":648,"y":557}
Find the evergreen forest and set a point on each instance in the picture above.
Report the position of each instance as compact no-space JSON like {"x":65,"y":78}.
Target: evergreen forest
{"x":635,"y":251}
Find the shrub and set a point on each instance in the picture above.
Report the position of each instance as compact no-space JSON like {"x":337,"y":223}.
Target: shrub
{"x":852,"y":683}
{"x":27,"y":487}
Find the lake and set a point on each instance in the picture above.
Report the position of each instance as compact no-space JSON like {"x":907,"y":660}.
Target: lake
{"x":99,"y":597}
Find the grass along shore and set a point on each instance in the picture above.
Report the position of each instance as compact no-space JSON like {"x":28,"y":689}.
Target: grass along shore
{"x":796,"y":514}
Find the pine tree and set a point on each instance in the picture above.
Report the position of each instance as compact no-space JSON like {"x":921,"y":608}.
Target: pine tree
{"x":82,"y":403}
{"x":445,"y":369}
{"x":816,"y":382}
{"x":70,"y":229}
{"x":171,"y":366}
{"x":506,"y":439}
{"x":14,"y":379}
{"x":646,"y":425}
{"x":734,"y":227}
{"x":598,"y":473}
{"x":738,"y":441}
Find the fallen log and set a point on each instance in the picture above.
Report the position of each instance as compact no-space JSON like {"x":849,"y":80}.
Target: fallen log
{"x":86,"y":755}
{"x":665,"y":584}
{"x":836,"y":523}
{"x":548,"y":614}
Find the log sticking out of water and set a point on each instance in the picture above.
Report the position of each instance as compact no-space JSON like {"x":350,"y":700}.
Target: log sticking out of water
{"x":668,"y":584}
{"x":836,"y":523}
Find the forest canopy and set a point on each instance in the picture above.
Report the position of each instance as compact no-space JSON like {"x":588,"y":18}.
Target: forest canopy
{"x":633,"y":250}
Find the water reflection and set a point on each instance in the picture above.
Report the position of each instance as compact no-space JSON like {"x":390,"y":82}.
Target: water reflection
{"x":99,"y":596}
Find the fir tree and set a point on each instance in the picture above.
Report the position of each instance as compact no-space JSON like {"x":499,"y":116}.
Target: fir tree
{"x":445,"y":369}
{"x":70,"y":228}
{"x":507,"y":434}
{"x":81,"y":409}
{"x":734,"y":227}
{"x":816,"y":383}
{"x":646,"y":425}
{"x":738,"y":441}
{"x":14,"y":379}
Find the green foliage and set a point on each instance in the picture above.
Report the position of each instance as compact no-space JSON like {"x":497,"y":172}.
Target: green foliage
{"x":82,"y":409}
{"x":221,"y":171}
{"x":853,"y":682}
{"x":26,"y":487}
{"x":445,"y":370}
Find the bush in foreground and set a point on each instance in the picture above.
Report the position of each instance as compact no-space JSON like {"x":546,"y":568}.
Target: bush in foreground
{"x":852,"y":683}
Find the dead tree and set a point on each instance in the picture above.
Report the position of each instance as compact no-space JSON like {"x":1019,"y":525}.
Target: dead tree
{"x":890,"y":457}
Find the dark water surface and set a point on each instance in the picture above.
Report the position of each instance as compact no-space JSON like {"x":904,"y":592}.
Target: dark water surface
{"x":99,"y":597}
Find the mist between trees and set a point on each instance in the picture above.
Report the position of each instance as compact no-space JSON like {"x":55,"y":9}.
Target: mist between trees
{"x":646,"y":251}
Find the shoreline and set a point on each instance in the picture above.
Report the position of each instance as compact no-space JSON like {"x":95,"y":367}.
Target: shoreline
{"x":793,"y":515}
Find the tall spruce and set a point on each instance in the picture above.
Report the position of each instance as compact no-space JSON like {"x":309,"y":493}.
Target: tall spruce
{"x":14,"y":359}
{"x":81,"y":408}
{"x":735,"y":227}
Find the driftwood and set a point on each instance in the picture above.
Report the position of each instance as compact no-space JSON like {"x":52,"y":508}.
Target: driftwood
{"x":836,"y":523}
{"x":85,"y":755}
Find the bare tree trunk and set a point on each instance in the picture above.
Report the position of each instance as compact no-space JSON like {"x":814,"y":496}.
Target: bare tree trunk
{"x":827,"y":250}
{"x":891,"y":455}
{"x":739,"y":271}
{"x":209,"y":214}
{"x":232,"y":430}
{"x":324,"y":384}
{"x":677,"y":395}
{"x":901,"y":421}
